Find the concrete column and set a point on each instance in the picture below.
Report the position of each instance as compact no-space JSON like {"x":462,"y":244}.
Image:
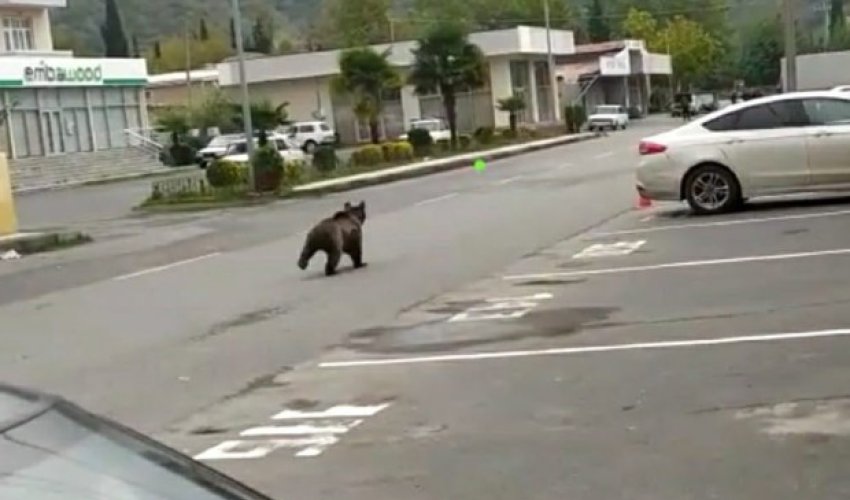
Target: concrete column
{"x":8,"y":218}
{"x":628,"y":91}
{"x":500,"y":88}
{"x":532,"y":93}
{"x":648,"y":93}
{"x":410,"y":107}
{"x":10,"y":132}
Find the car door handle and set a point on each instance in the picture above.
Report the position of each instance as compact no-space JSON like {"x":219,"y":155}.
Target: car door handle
{"x":734,"y":141}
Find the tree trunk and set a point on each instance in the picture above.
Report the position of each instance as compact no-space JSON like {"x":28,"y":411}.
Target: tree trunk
{"x":513,"y":120}
{"x":450,"y":103}
{"x":374,"y":130}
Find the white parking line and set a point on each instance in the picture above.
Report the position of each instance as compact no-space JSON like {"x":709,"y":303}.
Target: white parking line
{"x":157,"y":269}
{"x":435,"y":199}
{"x":509,"y":180}
{"x":673,"y":227}
{"x":679,"y":265}
{"x":670,"y":344}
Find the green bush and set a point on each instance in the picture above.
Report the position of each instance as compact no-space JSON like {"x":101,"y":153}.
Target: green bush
{"x":484,"y":135}
{"x":509,"y":134}
{"x":574,"y":116}
{"x":421,"y":141}
{"x":268,"y":169}
{"x":293,"y":172}
{"x":181,"y":155}
{"x":368,"y":156}
{"x":225,"y":174}
{"x":325,"y":159}
{"x":397,"y":151}
{"x":464,"y":141}
{"x":526,"y":132}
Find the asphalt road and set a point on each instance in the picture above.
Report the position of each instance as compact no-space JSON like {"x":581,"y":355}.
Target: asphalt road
{"x":521,"y":333}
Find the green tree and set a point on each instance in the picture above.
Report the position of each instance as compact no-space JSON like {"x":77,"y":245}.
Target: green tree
{"x":170,"y":54}
{"x":214,"y":111}
{"x":837,"y":21}
{"x":513,"y":105}
{"x":263,"y":36}
{"x":761,"y":53}
{"x":366,"y":76}
{"x":446,"y":62}
{"x":265,"y":117}
{"x":639,"y":24}
{"x":203,"y":31}
{"x":112,"y":30}
{"x":695,"y":53}
{"x":176,"y":122}
{"x":597,"y":25}
{"x":352,"y":23}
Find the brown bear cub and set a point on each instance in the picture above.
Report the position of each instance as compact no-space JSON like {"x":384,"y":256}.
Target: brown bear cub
{"x":337,"y":235}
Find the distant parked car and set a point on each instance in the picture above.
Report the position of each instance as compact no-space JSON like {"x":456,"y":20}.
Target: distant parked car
{"x":608,"y":116}
{"x":288,"y":149}
{"x":216,"y":148}
{"x":435,"y":126}
{"x":52,"y":449}
{"x":310,"y":135}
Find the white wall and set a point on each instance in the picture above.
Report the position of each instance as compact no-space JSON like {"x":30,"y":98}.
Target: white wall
{"x":500,"y":85}
{"x":410,"y":106}
{"x":304,"y":96}
{"x":821,"y":71}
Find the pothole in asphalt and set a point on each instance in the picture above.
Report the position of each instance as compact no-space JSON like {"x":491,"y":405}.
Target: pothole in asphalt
{"x":805,"y":418}
{"x":436,"y":336}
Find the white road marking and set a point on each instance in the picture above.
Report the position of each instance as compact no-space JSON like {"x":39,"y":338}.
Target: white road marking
{"x":502,"y":308}
{"x":680,"y":265}
{"x":311,"y":439}
{"x":673,"y":227}
{"x":647,"y":218}
{"x":166,"y":267}
{"x":299,"y":430}
{"x":340,"y":411}
{"x":509,"y":180}
{"x":436,"y":199}
{"x":604,"y":155}
{"x":566,"y":165}
{"x":618,"y":249}
{"x":672,"y":344}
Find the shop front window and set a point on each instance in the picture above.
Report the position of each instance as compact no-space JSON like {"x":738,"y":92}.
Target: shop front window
{"x":18,"y":34}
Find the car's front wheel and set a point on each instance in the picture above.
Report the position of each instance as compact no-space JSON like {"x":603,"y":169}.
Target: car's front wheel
{"x":712,"y":189}
{"x":310,"y":147}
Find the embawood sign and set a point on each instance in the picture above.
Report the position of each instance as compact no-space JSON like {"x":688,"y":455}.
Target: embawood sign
{"x":17,"y":72}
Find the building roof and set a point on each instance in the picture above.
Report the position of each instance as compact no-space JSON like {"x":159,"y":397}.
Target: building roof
{"x":179,"y":77}
{"x":519,"y":40}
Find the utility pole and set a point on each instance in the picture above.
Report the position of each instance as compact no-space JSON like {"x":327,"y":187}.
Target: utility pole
{"x":789,"y":16}
{"x":553,"y":80}
{"x":243,"y":83}
{"x":188,"y":63}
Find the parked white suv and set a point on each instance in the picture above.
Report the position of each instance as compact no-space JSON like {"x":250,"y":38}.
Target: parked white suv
{"x":436,"y":127}
{"x":609,"y":116}
{"x":309,"y":135}
{"x":237,"y":152}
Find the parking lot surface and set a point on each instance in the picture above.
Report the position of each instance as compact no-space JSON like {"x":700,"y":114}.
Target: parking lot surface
{"x":658,"y":355}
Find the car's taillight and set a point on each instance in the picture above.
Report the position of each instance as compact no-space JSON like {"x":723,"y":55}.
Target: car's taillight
{"x":651,"y":148}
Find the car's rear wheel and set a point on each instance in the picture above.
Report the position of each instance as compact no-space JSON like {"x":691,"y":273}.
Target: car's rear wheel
{"x":310,"y":147}
{"x":711,"y":189}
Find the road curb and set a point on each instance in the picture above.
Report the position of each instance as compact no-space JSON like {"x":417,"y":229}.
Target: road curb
{"x":429,"y":167}
{"x":43,"y":241}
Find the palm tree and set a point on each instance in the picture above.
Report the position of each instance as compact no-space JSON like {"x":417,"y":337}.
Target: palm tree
{"x":264,"y":117}
{"x":366,"y":76}
{"x":446,"y":62}
{"x":513,"y":105}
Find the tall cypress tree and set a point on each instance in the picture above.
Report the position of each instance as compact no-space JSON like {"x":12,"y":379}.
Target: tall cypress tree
{"x":263,"y":36}
{"x":837,"y":20}
{"x":203,"y":32}
{"x":597,"y":25}
{"x":112,"y":30}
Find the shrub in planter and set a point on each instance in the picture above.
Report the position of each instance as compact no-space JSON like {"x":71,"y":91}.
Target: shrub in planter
{"x":268,"y":169}
{"x":464,"y":141}
{"x":421,"y":141}
{"x":574,"y":116}
{"x":225,"y":174}
{"x":484,"y":135}
{"x":368,"y":156}
{"x":398,"y":151}
{"x":181,"y":155}
{"x":293,"y":172}
{"x":509,"y":134}
{"x":325,"y":159}
{"x":526,"y":132}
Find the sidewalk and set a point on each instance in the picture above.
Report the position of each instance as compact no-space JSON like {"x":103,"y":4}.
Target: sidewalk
{"x":432,"y":166}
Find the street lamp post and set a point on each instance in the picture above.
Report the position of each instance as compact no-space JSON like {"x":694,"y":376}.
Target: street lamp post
{"x":243,"y":82}
{"x":553,"y":80}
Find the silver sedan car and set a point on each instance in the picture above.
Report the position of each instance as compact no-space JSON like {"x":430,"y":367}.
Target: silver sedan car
{"x":783,"y":144}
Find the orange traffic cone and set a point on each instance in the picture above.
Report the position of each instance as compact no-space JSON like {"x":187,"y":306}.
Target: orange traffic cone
{"x":643,"y":202}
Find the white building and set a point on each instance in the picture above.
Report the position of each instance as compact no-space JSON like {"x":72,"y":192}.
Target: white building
{"x":820,"y":71}
{"x":61,"y":115}
{"x":516,"y":60}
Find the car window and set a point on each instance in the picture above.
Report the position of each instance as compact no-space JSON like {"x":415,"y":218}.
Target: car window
{"x":760,"y":117}
{"x":325,"y":128}
{"x":722,"y":123}
{"x":305,"y":129}
{"x":281,"y":145}
{"x":828,"y":111}
{"x":791,"y":113}
{"x":239,"y":148}
{"x":64,"y":456}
